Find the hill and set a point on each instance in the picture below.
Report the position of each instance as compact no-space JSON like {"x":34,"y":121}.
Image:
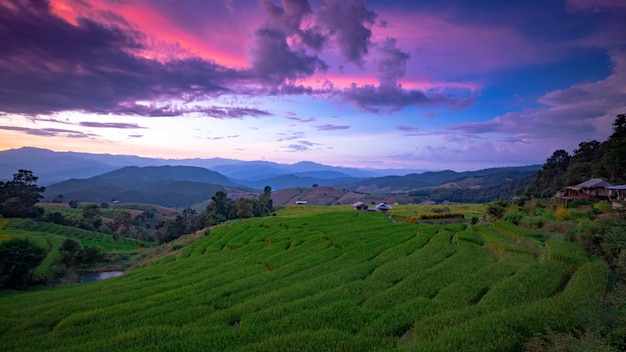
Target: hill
{"x":54,"y":167}
{"x":442,"y":179}
{"x":326,"y":279}
{"x":170,"y":186}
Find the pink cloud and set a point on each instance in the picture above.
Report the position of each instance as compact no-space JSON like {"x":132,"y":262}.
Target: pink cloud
{"x":206,"y":29}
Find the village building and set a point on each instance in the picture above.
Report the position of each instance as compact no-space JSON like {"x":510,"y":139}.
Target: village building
{"x":360,"y":206}
{"x":596,"y":189}
{"x":383,"y":207}
{"x":593,"y":189}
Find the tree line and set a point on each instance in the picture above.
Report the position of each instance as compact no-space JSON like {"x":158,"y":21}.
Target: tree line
{"x":220,"y":209}
{"x":592,"y":159}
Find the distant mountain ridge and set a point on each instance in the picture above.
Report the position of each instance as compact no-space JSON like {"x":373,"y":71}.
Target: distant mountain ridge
{"x":103,"y":177}
{"x":53,"y":167}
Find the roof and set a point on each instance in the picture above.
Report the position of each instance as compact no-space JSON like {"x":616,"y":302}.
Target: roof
{"x":383,"y":206}
{"x":592,"y":183}
{"x":357,"y":204}
{"x":618,"y":187}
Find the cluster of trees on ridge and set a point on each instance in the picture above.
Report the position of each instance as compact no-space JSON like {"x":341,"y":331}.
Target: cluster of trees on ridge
{"x":220,"y":209}
{"x":605,"y":160}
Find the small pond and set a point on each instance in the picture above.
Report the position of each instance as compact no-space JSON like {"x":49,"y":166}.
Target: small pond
{"x":91,"y":277}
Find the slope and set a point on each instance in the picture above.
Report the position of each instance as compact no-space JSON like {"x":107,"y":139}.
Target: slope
{"x":327,"y":279}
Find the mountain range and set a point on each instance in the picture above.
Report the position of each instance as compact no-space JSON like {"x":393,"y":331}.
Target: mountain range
{"x":191,"y":182}
{"x":53,"y":167}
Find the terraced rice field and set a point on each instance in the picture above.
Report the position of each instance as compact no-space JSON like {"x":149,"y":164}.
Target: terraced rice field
{"x":335,"y":280}
{"x":86,"y":237}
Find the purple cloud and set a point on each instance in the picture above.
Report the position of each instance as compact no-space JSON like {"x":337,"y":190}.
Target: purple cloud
{"x":290,"y":136}
{"x":346,"y":20}
{"x":329,"y":127}
{"x":110,"y":125}
{"x":48,"y":132}
{"x":378,"y":98}
{"x":407,"y":128}
{"x":299,"y":119}
{"x":90,"y":67}
{"x":224,"y":137}
{"x":392,"y":65}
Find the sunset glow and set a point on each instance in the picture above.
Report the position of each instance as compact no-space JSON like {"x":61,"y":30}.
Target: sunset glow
{"x":357,"y":83}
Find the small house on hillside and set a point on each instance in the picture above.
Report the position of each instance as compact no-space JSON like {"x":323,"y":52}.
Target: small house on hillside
{"x":360,"y":206}
{"x":617,"y":192}
{"x":595,"y":188}
{"x":301,"y":202}
{"x":383,"y":207}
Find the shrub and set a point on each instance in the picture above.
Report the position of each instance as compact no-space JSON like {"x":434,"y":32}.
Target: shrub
{"x":562,"y":213}
{"x":514,"y":217}
{"x":533,"y":222}
{"x":440,"y":216}
{"x":603,"y":207}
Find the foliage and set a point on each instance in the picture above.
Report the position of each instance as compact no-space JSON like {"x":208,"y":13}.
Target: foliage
{"x":592,"y":159}
{"x":19,"y":197}
{"x":18,"y":258}
{"x":319,"y":278}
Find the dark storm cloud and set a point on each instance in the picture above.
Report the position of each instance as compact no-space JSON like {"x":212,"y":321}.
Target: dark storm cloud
{"x":49,"y":65}
{"x":346,"y":21}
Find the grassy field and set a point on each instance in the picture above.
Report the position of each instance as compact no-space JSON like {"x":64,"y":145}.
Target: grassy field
{"x":323,"y":278}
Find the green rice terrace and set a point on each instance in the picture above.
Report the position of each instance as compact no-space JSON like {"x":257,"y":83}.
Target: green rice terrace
{"x":321,"y":279}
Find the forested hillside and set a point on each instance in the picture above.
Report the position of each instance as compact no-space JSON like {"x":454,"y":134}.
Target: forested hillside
{"x":592,"y":159}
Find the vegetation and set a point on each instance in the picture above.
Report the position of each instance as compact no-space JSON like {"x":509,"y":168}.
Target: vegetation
{"x":330,"y":278}
{"x":510,"y":275}
{"x":18,"y":259}
{"x":592,"y":159}
{"x":19,"y":197}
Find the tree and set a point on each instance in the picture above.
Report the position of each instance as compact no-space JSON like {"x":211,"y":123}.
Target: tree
{"x":220,"y":209}
{"x":68,"y":252}
{"x":615,"y":157}
{"x":122,"y":223}
{"x":550,"y":178}
{"x":18,"y":258}
{"x":244,"y":208}
{"x":19,"y":197}
{"x":264,"y":205}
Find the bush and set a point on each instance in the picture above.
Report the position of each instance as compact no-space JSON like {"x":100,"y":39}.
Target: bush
{"x":533,"y":222}
{"x":563,"y":213}
{"x":514,"y":217}
{"x":603,"y":207}
{"x":18,"y":259}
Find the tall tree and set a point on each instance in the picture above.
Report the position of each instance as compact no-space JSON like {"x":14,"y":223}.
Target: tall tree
{"x":615,"y":157}
{"x":550,"y":178}
{"x":19,"y":197}
{"x":244,"y":208}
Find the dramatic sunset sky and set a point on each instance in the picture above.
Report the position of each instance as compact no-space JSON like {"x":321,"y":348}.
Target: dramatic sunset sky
{"x":426,"y":84}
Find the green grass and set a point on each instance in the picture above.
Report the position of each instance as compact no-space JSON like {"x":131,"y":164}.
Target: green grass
{"x":84,"y":236}
{"x":319,"y":278}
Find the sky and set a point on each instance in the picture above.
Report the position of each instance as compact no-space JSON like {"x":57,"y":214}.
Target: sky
{"x":460,"y":85}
